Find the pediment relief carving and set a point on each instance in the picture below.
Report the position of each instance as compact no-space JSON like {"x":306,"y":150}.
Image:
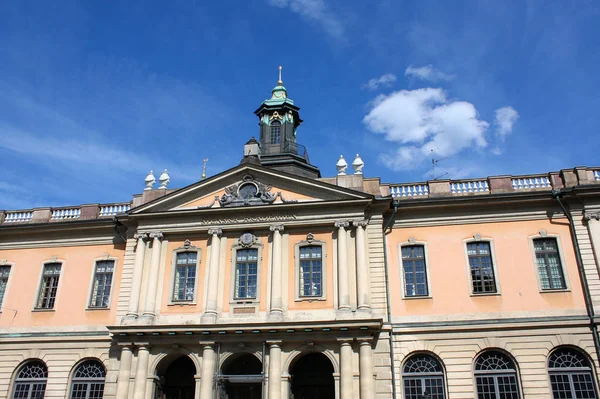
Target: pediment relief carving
{"x":249,"y":192}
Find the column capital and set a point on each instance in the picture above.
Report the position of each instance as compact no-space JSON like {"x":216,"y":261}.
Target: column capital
{"x":360,"y":223}
{"x":206,"y":343}
{"x":142,"y":345}
{"x":215,"y":231}
{"x":364,"y":340}
{"x":589,"y":216}
{"x":276,"y":227}
{"x":157,"y":235}
{"x":345,"y":340}
{"x":140,"y":236}
{"x":274,"y":343}
{"x":341,"y":224}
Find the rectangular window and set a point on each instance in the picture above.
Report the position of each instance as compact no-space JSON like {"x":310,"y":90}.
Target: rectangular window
{"x":103,"y":276}
{"x":548,"y":262}
{"x":185,"y":276}
{"x":4,"y":273}
{"x":415,"y":273}
{"x":275,"y":133}
{"x":49,"y":286}
{"x":483,"y":280}
{"x":311,"y":271}
{"x":246,"y":270}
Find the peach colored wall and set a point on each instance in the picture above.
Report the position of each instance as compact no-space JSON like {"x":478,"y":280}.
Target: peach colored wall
{"x":201,"y":244}
{"x":263,"y":271}
{"x":516,"y":271}
{"x":293,"y":278}
{"x":73,"y":290}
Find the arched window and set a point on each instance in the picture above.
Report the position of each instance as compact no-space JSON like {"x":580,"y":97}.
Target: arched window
{"x":570,"y":375}
{"x":275,"y":132}
{"x":496,"y":376}
{"x":423,"y":378}
{"x":31,"y":381}
{"x":88,"y":380}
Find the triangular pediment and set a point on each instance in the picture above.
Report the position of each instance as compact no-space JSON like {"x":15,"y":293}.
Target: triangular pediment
{"x":248,"y":186}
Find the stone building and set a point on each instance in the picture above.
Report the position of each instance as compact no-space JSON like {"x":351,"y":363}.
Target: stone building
{"x":270,"y":281}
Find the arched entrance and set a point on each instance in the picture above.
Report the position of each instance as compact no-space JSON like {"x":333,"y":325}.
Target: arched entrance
{"x":312,"y":377}
{"x":176,"y":378}
{"x":241,"y":378}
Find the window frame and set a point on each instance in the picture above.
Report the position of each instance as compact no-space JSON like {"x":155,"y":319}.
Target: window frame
{"x":542,"y":235}
{"x":182,"y":249}
{"x":15,"y":377}
{"x":41,"y":281}
{"x":497,"y":373}
{"x":570,"y":371}
{"x":424,"y":375}
{"x":279,"y":125}
{"x":476,"y":238}
{"x":8,"y":280}
{"x":74,"y":380}
{"x":425,"y":245}
{"x":93,"y":279}
{"x":257,"y":244}
{"x":297,"y":292}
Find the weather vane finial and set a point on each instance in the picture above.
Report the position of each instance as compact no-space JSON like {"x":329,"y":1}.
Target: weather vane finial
{"x":204,"y":168}
{"x":280,"y":82}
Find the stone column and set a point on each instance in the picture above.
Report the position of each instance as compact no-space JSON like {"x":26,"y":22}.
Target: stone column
{"x":346,"y":374}
{"x":367,"y":385}
{"x":150,"y":303}
{"x":138,"y":270}
{"x":141,"y":373}
{"x":276,"y":311}
{"x":124,"y":373}
{"x":343,"y":282}
{"x":208,"y":370}
{"x":362,"y":271}
{"x":274,"y":370}
{"x":213,"y":276}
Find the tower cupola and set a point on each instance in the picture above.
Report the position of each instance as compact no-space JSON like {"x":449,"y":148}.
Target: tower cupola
{"x":279,"y":119}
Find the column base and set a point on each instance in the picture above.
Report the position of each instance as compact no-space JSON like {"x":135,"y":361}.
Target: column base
{"x":364,"y":311}
{"x":208,"y":318}
{"x":275,"y":315}
{"x":343,"y":314}
{"x":146,"y":319}
{"x":129,"y":319}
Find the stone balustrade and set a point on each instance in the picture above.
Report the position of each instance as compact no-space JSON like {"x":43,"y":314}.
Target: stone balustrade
{"x":409,"y":190}
{"x":63,"y":214}
{"x":497,"y":184}
{"x":67,"y":213}
{"x":469,"y":186}
{"x":115,"y":209}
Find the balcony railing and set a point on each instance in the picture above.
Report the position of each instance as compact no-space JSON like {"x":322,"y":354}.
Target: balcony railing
{"x":62,"y":214}
{"x":409,"y":190}
{"x":16,"y":217}
{"x":469,"y":186}
{"x":531,"y":182}
{"x":82,"y":212}
{"x":112,"y":210}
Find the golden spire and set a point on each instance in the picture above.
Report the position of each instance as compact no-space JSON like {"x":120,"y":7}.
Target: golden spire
{"x":280,"y":82}
{"x":204,"y":168}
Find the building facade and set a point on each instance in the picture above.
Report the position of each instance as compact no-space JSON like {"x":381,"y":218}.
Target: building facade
{"x":270,"y":281}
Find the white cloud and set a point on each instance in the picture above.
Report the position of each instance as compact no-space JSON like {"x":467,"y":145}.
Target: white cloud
{"x":382,"y":81}
{"x":423,"y":120}
{"x":315,"y":11}
{"x":427,"y":72}
{"x":505,"y":121}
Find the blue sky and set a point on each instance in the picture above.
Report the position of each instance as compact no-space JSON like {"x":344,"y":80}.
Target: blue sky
{"x":95,"y":94}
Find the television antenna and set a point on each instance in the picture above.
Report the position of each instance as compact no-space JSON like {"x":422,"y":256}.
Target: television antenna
{"x":434,"y":162}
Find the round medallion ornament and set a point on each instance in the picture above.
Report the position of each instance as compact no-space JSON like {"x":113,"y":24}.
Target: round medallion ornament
{"x":248,"y":191}
{"x":246,"y":239}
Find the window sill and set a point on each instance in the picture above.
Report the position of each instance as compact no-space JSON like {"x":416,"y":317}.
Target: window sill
{"x":94,"y":308}
{"x":412,"y":298}
{"x":486,"y":294}
{"x":554,"y":291}
{"x":310,"y":299}
{"x":41,"y":310}
{"x":244,"y":302}
{"x":190,"y":303}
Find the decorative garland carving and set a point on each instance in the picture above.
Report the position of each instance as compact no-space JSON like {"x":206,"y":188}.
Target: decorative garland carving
{"x":249,"y":192}
{"x":209,"y":205}
{"x":247,"y":240}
